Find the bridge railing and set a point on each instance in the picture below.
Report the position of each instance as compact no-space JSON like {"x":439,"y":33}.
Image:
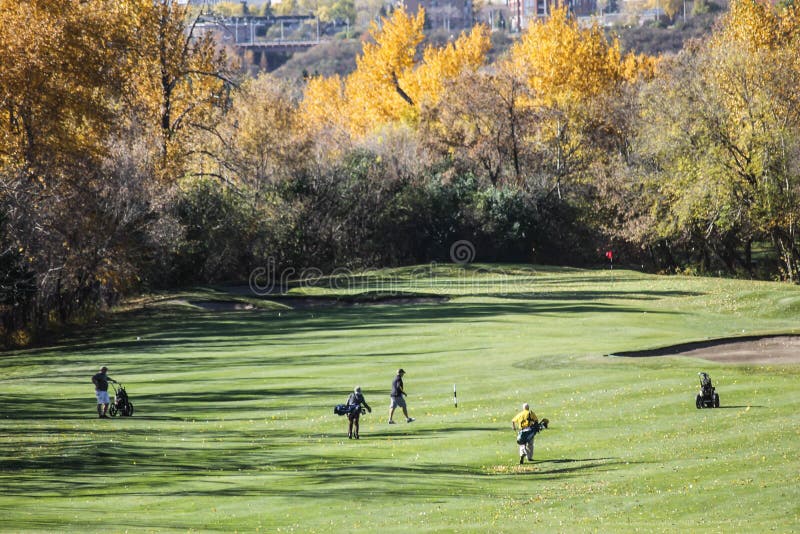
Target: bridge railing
{"x":254,"y":31}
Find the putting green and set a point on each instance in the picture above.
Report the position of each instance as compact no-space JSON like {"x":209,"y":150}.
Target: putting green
{"x":234,"y":427}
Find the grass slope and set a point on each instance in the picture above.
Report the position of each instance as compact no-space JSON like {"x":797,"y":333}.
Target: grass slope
{"x":234,"y":429}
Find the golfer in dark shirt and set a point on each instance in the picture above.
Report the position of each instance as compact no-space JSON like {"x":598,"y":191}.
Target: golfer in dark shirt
{"x":397,"y":397}
{"x":100,"y":381}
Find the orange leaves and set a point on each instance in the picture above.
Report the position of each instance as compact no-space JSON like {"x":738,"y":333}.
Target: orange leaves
{"x":53,"y":68}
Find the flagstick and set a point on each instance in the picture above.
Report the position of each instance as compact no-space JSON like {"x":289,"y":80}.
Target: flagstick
{"x":455,"y":398}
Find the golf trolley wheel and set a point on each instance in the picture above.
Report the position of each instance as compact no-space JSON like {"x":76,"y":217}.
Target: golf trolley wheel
{"x":716,"y":400}
{"x":112,"y":410}
{"x":698,"y":402}
{"x":128,"y":410}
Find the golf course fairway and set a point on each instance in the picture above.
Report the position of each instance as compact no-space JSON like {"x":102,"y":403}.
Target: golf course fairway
{"x":234,"y":429}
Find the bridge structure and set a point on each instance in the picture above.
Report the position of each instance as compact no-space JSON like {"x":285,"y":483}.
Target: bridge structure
{"x":263,"y":34}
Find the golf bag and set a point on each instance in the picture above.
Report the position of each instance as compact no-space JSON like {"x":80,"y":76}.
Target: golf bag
{"x":122,"y":405}
{"x":345,"y":409}
{"x":527,"y":434}
{"x":708,"y":396}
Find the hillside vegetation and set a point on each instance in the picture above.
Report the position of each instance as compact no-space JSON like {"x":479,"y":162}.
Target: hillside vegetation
{"x":149,"y":164}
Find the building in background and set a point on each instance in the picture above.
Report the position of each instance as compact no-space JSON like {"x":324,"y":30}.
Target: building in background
{"x":450,"y":15}
{"x":523,"y":12}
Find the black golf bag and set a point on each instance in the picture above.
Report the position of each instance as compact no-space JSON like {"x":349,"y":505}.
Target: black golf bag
{"x":346,"y":409}
{"x":122,"y":405}
{"x":708,"y":396}
{"x":527,"y":434}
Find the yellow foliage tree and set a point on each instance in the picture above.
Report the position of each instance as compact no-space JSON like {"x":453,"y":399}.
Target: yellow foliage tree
{"x":575,"y":75}
{"x":749,"y":23}
{"x":565,"y":63}
{"x":262,"y":138}
{"x":375,"y":91}
{"x":439,"y":65}
{"x":178,"y":80}
{"x":671,"y":7}
{"x":58,"y":78}
{"x":390,"y":84}
{"x":323,"y":106}
{"x":722,"y":125}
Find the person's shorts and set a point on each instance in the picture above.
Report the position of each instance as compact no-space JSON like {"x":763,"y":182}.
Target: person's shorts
{"x":102,"y":397}
{"x":398,"y":401}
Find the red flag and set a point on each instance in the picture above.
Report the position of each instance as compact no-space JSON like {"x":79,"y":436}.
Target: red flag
{"x":610,"y":255}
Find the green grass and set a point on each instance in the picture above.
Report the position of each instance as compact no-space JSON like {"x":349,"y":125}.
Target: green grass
{"x":234,"y":427}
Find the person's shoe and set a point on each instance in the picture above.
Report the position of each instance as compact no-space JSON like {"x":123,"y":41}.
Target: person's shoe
{"x":357,"y":436}
{"x":410,"y":419}
{"x":521,"y":460}
{"x":349,"y":436}
{"x":391,"y":422}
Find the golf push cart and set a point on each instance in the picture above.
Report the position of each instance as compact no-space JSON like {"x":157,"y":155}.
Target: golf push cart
{"x":707,"y":397}
{"x":122,"y":405}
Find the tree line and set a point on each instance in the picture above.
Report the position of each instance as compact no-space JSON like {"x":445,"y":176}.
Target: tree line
{"x":132,"y":156}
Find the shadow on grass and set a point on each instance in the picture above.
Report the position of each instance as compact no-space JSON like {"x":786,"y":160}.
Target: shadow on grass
{"x":576,"y":466}
{"x":168,"y":405}
{"x":31,"y":407}
{"x":168,"y":465}
{"x":424,"y":433}
{"x":86,"y":467}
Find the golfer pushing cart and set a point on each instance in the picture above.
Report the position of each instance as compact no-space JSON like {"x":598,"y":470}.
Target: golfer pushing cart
{"x":121,"y":405}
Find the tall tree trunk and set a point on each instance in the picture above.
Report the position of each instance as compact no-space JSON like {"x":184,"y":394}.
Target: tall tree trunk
{"x":788,"y":253}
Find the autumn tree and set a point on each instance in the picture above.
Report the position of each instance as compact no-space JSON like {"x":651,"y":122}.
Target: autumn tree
{"x":574,"y":77}
{"x":376,"y":92}
{"x":179,"y":80}
{"x":672,"y":7}
{"x":261,"y":139}
{"x":392,"y":83}
{"x":441,"y":65}
{"x":97,"y":98}
{"x":721,"y":140}
{"x":57,"y":72}
{"x":62,"y":73}
{"x":480,"y":122}
{"x":323,"y":114}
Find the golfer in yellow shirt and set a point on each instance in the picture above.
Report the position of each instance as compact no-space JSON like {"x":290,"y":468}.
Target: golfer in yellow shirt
{"x":525,"y":419}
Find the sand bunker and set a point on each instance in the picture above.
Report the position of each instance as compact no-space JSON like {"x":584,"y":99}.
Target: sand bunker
{"x":784,"y":349}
